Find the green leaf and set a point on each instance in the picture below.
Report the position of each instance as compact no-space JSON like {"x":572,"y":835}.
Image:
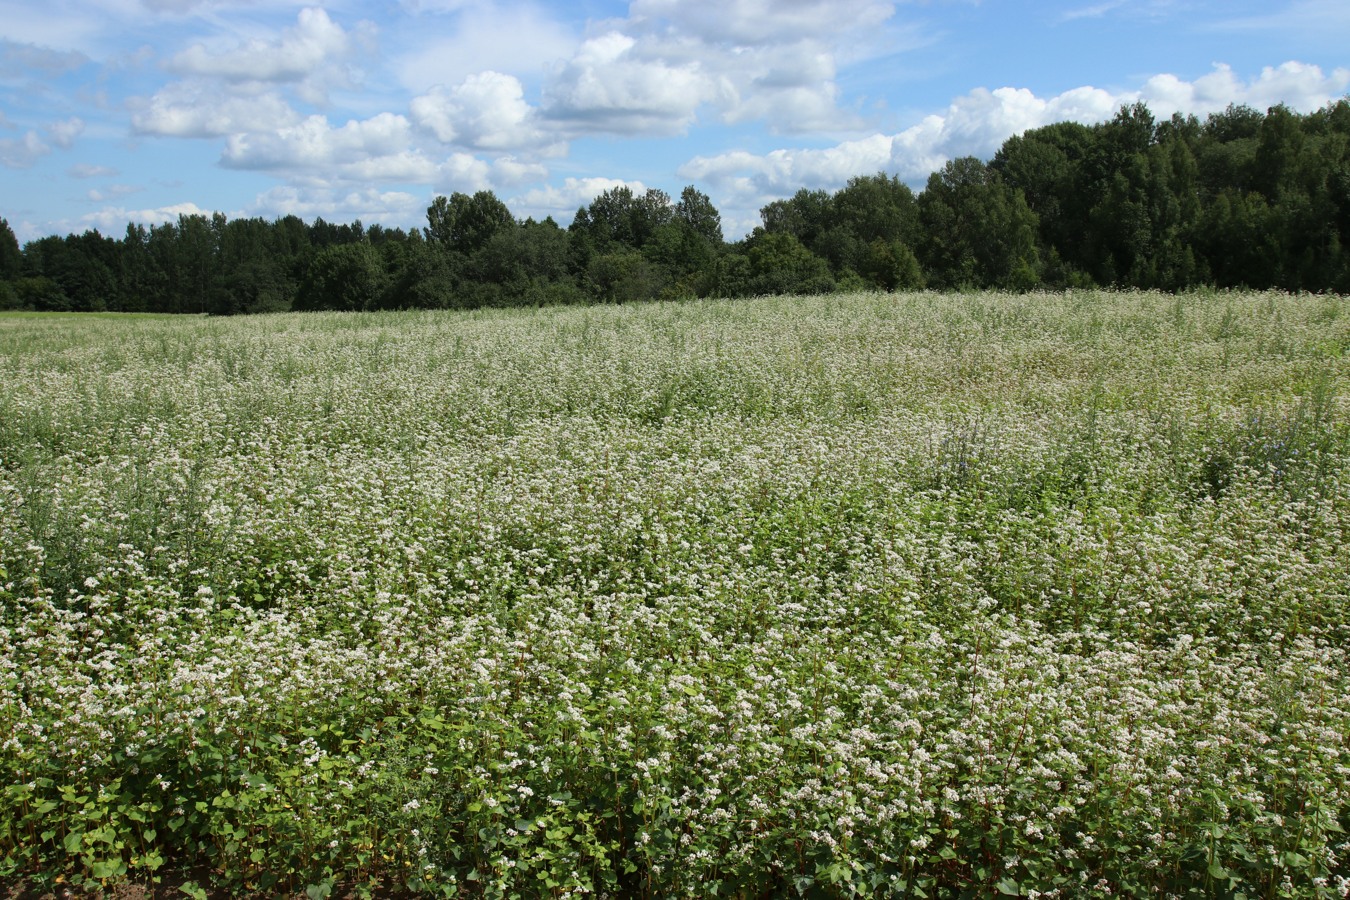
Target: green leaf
{"x":1217,"y":871}
{"x":74,"y":840}
{"x":1008,"y":887}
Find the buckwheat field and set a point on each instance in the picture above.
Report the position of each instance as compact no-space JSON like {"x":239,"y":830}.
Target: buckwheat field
{"x":870,"y":595}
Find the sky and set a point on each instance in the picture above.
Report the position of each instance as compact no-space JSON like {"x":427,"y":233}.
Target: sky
{"x":117,"y":111}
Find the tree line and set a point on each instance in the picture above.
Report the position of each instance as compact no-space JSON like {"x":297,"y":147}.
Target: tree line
{"x":1242,"y":199}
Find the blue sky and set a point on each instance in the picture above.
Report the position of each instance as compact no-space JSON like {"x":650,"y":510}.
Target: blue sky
{"x":139,"y":110}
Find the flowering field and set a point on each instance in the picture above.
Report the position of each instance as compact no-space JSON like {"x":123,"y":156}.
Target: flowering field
{"x":872,"y":595}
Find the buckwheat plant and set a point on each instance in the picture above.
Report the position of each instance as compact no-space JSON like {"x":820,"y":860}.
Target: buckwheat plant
{"x":873,"y":595}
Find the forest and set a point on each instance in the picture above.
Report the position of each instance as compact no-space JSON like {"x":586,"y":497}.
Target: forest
{"x":1242,"y":199}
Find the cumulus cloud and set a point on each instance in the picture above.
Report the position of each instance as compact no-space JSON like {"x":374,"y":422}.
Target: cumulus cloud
{"x":464,"y":172}
{"x":612,"y":85}
{"x":314,"y":41}
{"x":314,"y":154}
{"x":486,"y":111}
{"x":507,"y":171}
{"x":743,"y":60}
{"x":197,"y":110}
{"x":314,"y":143}
{"x":649,"y":74}
{"x":1297,"y":85}
{"x":231,"y":89}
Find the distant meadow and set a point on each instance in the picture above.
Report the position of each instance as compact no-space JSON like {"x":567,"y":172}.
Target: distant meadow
{"x":849,"y":595}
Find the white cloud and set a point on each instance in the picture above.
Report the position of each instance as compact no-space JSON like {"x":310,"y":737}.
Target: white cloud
{"x":464,"y":172}
{"x":302,"y":50}
{"x":611,"y":86}
{"x":195,"y":109}
{"x":746,"y":60}
{"x":315,"y":144}
{"x":1297,"y":85}
{"x":790,"y":87}
{"x":486,"y":111}
{"x":379,"y":150}
{"x":509,"y":171}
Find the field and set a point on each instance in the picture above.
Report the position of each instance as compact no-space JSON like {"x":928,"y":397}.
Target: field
{"x":907,"y":595}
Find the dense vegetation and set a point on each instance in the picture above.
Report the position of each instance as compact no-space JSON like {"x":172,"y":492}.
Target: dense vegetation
{"x":1244,"y":199}
{"x":882,"y":594}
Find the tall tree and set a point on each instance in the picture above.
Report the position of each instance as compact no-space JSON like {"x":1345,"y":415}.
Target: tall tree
{"x":695,"y":210}
{"x":619,"y":216}
{"x":977,"y":231}
{"x":465,"y":223}
{"x":11,"y":258}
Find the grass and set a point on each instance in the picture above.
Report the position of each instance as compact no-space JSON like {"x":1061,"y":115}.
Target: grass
{"x":870,"y":595}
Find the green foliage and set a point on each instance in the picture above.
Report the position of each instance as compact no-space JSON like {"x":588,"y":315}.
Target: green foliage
{"x":977,"y":231}
{"x":11,"y":258}
{"x":344,"y":277}
{"x":618,"y":216}
{"x":695,"y":210}
{"x":465,"y":224}
{"x":779,"y":263}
